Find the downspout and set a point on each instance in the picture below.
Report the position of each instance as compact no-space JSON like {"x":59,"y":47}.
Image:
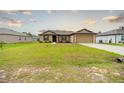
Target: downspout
{"x":115,"y":39}
{"x":92,"y":38}
{"x":57,"y":38}
{"x":76,"y":38}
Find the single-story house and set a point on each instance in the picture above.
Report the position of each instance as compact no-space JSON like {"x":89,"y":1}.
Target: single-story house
{"x":34,"y":37}
{"x":114,"y":36}
{"x":11,"y":36}
{"x":59,"y":36}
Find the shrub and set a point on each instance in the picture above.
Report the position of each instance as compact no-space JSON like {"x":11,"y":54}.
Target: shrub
{"x":47,"y":41}
{"x":68,"y":41}
{"x":1,"y":44}
{"x":119,"y":42}
{"x":39,"y":40}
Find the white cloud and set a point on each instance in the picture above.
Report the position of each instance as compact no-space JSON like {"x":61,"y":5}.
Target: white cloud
{"x":114,"y":18}
{"x":51,"y":11}
{"x":109,"y":18}
{"x":11,"y":22}
{"x":74,"y":11}
{"x":89,"y":21}
{"x":26,"y":12}
{"x":111,"y":11}
{"x":33,"y":20}
{"x":14,"y":12}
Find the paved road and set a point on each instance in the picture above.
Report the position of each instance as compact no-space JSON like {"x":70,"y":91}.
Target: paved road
{"x":111,"y":48}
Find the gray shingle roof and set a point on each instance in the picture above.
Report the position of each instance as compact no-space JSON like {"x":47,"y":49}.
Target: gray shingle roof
{"x":60,"y":32}
{"x":119,"y":31}
{"x":10,"y":32}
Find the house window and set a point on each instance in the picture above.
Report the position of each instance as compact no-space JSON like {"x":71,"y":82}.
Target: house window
{"x":25,"y":38}
{"x":110,"y":41}
{"x":46,"y":38}
{"x":19,"y":37}
{"x":63,"y":38}
{"x":122,"y":38}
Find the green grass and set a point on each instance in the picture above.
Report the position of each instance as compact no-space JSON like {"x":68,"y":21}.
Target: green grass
{"x":43,"y":62}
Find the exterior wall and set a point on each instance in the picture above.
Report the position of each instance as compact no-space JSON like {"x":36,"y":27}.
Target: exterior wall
{"x":68,"y":38}
{"x":57,"y":38}
{"x":75,"y":38}
{"x":106,"y":39}
{"x":14,"y":39}
{"x":72,"y":39}
{"x":49,"y":34}
{"x":41,"y":38}
{"x":115,"y":39}
{"x":28,"y":39}
{"x":50,"y":38}
{"x":118,"y":38}
{"x":35,"y":38}
{"x":85,"y":38}
{"x":63,"y":41}
{"x":94,"y":38}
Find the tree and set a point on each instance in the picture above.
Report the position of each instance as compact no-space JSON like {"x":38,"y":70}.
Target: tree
{"x":28,"y":33}
{"x":1,"y":44}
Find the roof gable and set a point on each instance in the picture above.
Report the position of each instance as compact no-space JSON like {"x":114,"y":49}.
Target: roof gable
{"x":49,"y":32}
{"x":84,"y":31}
{"x":58,"y":32}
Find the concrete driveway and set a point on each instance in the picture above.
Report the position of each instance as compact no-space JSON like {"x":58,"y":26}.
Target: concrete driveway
{"x":111,"y":48}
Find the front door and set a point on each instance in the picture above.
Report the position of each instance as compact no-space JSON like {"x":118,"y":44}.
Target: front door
{"x":54,"y":38}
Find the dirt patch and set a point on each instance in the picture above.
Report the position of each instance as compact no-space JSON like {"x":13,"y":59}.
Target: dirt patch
{"x":96,"y":74}
{"x":3,"y":75}
{"x":50,"y":75}
{"x":26,"y":74}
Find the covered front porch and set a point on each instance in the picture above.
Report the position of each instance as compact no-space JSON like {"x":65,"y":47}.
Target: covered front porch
{"x":57,"y":38}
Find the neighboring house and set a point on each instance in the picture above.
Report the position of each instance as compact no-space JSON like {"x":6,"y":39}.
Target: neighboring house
{"x":34,"y":37}
{"x":11,"y":36}
{"x":114,"y":36}
{"x":59,"y":36}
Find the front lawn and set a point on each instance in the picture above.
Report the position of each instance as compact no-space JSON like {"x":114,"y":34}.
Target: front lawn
{"x":43,"y":62}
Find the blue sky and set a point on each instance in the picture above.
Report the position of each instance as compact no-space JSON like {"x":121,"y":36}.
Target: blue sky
{"x":71,"y":20}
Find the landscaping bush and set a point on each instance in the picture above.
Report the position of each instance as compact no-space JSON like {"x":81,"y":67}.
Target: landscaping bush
{"x":39,"y":40}
{"x":47,"y":41}
{"x":68,"y":41}
{"x":119,"y":42}
{"x":1,"y":44}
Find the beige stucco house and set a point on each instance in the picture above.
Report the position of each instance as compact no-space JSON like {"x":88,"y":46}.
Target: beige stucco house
{"x":11,"y":36}
{"x":81,"y":36}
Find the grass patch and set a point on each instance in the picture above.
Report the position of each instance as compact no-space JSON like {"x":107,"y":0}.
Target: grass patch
{"x":55,"y":63}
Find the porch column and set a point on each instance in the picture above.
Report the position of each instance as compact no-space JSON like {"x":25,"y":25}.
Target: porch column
{"x":57,"y":38}
{"x":50,"y":38}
